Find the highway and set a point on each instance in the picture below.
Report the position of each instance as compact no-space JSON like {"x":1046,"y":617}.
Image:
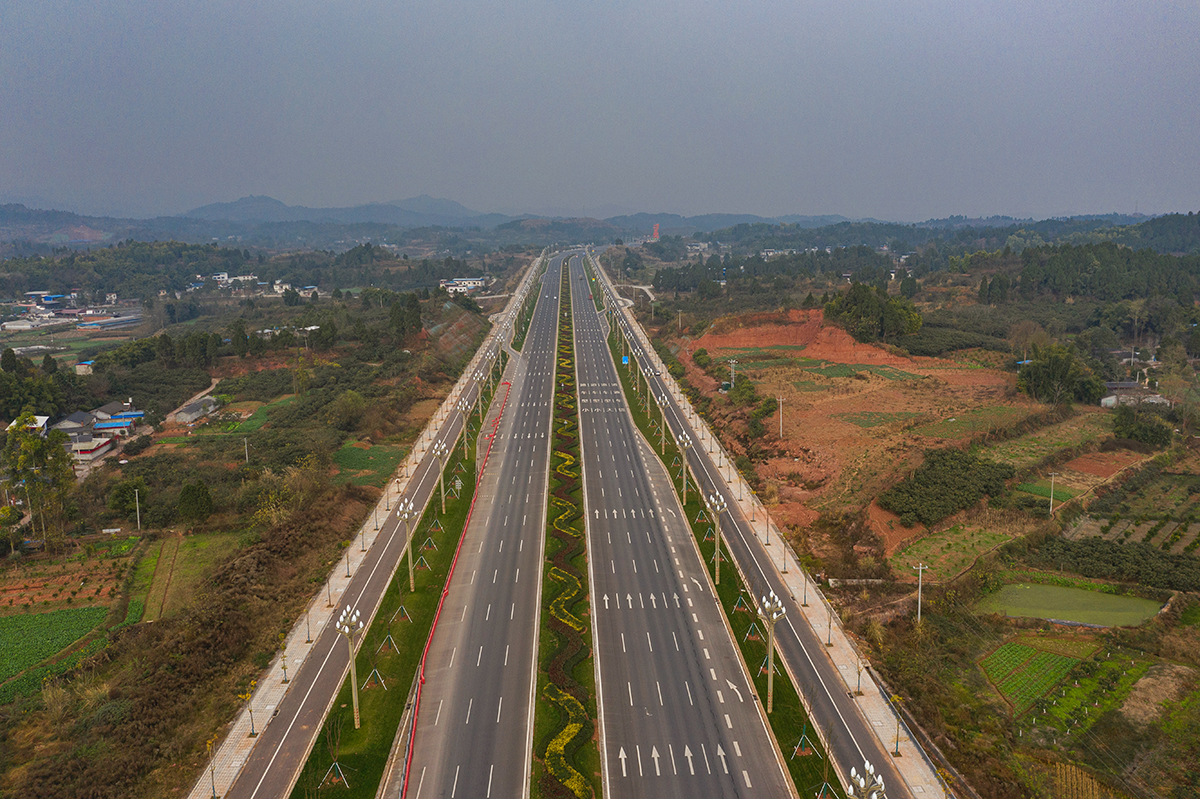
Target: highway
{"x":850,"y":737}
{"x":283,"y":744}
{"x":474,"y":732}
{"x":678,"y":717}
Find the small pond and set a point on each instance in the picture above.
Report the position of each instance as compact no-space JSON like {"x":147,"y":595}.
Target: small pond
{"x":1069,"y":604}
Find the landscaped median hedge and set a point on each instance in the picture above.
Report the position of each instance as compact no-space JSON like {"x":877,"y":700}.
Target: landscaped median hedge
{"x":567,"y":758}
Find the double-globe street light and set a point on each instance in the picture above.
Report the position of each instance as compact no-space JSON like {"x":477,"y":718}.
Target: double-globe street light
{"x":440,"y":451}
{"x":350,"y":625}
{"x":770,"y":610}
{"x":716,"y":505}
{"x":405,"y":511}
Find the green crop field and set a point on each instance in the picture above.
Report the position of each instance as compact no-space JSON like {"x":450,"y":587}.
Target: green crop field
{"x":968,"y":423}
{"x":1068,"y":604}
{"x":1023,"y":674}
{"x":28,"y":639}
{"x":368,"y":466}
{"x":875,"y":418}
{"x":1032,"y":448}
{"x":948,"y":553}
{"x":1041,"y":488}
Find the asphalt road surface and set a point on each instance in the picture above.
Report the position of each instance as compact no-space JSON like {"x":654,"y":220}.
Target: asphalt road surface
{"x":474,"y":733}
{"x":678,"y":715}
{"x":283,"y":745}
{"x":851,"y":739}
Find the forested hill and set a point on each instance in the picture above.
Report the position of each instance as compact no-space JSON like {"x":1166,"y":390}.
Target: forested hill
{"x":141,"y":269}
{"x":1174,"y":233}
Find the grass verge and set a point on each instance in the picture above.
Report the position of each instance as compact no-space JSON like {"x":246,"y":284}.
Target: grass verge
{"x":390,"y":654}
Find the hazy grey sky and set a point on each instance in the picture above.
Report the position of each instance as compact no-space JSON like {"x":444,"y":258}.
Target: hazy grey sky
{"x":905,"y":109}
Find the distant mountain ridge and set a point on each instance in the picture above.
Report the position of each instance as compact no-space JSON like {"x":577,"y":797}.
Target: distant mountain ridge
{"x":421,"y":211}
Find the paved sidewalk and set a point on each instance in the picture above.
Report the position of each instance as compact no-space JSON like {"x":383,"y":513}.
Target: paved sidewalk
{"x":233,"y":751}
{"x":914,"y":765}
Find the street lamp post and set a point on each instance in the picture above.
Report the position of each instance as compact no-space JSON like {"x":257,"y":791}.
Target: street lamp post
{"x":770,"y":610}
{"x":349,"y":625}
{"x":283,"y":663}
{"x":716,"y":506}
{"x":464,"y":408}
{"x":405,"y":511}
{"x":685,"y":443}
{"x":439,"y":451}
{"x":662,"y":433}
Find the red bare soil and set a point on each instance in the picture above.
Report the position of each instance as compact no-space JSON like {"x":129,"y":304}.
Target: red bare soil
{"x":1103,"y":464}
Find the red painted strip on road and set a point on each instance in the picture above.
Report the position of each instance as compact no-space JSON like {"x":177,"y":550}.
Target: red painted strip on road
{"x":446,"y":590}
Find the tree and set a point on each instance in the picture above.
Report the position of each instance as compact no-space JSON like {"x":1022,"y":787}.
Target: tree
{"x":39,"y":470}
{"x":49,"y":365}
{"x":195,"y":501}
{"x":1140,"y":426}
{"x":126,"y":496}
{"x":8,"y":360}
{"x":291,"y":297}
{"x":1056,"y":376}
{"x":1025,"y":334}
{"x":238,"y":337}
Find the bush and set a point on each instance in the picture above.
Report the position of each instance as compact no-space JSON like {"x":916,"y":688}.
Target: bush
{"x":948,"y":481}
{"x":138,"y":445}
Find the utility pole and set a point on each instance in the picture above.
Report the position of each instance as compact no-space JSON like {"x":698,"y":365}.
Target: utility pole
{"x":1052,"y":476}
{"x":780,"y":399}
{"x":246,"y":446}
{"x":920,"y":567}
{"x":137,"y":502}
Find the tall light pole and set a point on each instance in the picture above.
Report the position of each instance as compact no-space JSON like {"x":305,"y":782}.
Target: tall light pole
{"x":716,"y":506}
{"x":464,"y":408}
{"x":780,"y":399}
{"x":439,"y":451}
{"x":920,"y":567}
{"x":870,"y":784}
{"x":479,"y":379}
{"x":732,"y":373}
{"x":662,"y":433}
{"x":1052,"y":476}
{"x":137,"y":502}
{"x":685,"y":443}
{"x":349,"y":625}
{"x":405,"y":511}
{"x":770,"y":610}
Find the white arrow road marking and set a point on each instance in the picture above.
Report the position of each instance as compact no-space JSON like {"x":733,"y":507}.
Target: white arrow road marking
{"x":629,"y":600}
{"x":687,"y":753}
{"x":721,"y":754}
{"x":676,"y":595}
{"x":654,"y":754}
{"x":734,"y":688}
{"x":597,"y":513}
{"x":699,"y":587}
{"x":606,"y":601}
{"x":621,"y":756}
{"x":653,"y":603}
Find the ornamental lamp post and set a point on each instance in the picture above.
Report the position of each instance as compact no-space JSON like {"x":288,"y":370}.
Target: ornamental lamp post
{"x":464,"y":408}
{"x":349,"y":625}
{"x":685,"y":443}
{"x":770,"y":610}
{"x":716,"y":506}
{"x":406,"y":512}
{"x":439,"y":451}
{"x":662,"y":433}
